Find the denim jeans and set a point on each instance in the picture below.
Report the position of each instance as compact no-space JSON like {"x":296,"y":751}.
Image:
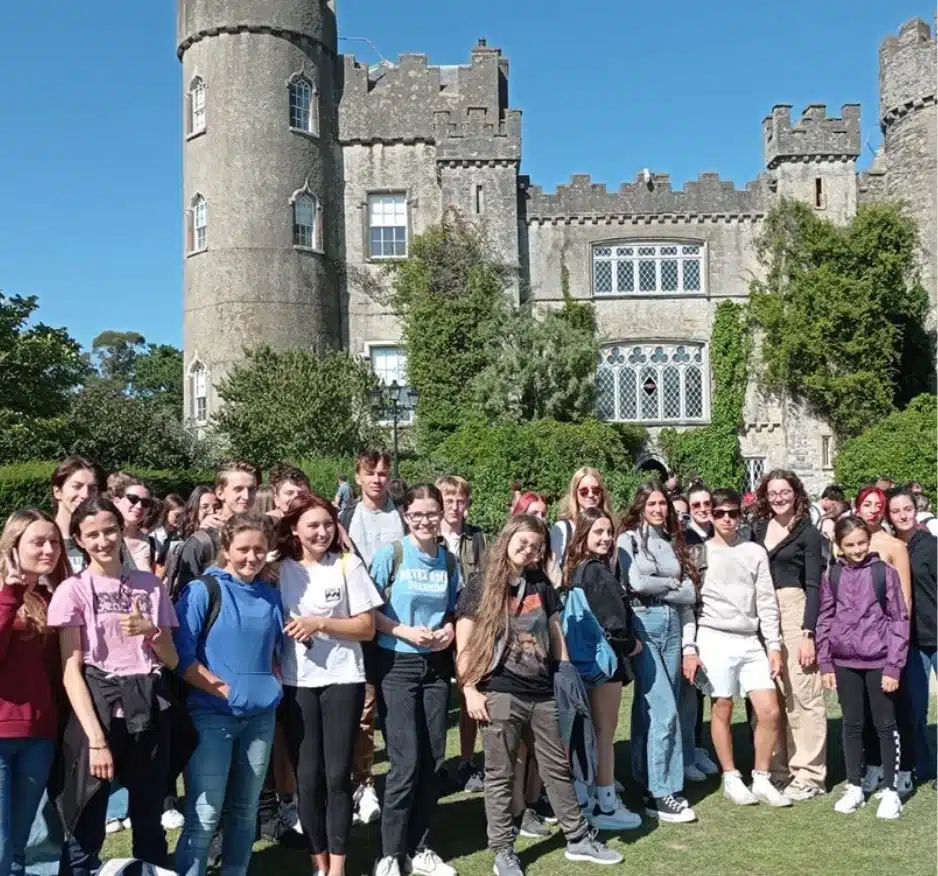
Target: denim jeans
{"x":224,"y":778}
{"x":920,"y":665}
{"x":118,"y":803}
{"x":657,"y":749}
{"x":46,"y":838}
{"x":24,"y":772}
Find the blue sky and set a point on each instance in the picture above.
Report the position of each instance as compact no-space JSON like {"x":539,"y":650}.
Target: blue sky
{"x":90,"y":153}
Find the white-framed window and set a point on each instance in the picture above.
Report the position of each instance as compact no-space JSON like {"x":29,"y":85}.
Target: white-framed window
{"x":755,"y":469}
{"x":827,"y":452}
{"x":389,"y":363}
{"x":304,"y":221}
{"x":387,"y":225}
{"x":197,"y":105}
{"x":198,"y":392}
{"x":645,"y":268}
{"x":198,"y":224}
{"x":304,"y":105}
{"x":653,"y":383}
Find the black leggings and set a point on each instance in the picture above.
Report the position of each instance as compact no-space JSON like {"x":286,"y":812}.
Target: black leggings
{"x":321,"y":725}
{"x":856,"y":687}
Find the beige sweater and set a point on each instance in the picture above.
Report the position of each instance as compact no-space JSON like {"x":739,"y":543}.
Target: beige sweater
{"x":738,"y":595}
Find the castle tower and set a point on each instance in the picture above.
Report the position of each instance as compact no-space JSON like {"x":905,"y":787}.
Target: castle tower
{"x":909,"y":120}
{"x":815,"y":160}
{"x":260,"y":164}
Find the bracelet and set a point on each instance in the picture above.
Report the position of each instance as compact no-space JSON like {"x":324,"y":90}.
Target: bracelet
{"x":97,"y":747}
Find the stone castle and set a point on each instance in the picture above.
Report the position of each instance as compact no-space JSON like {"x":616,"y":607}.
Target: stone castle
{"x":299,"y":160}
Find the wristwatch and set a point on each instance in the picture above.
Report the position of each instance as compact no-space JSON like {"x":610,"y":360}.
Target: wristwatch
{"x":807,"y":634}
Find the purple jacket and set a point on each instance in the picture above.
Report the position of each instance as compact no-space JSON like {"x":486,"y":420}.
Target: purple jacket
{"x":856,"y":633}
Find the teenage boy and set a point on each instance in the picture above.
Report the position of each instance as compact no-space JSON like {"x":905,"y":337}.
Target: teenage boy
{"x":700,"y":526}
{"x":467,"y":542}
{"x":370,"y":523}
{"x":287,"y":482}
{"x":737,"y":606}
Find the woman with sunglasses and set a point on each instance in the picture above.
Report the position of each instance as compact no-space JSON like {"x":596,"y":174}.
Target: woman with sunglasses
{"x":133,"y":500}
{"x":699,"y":527}
{"x":587,"y":490}
{"x":418,"y":578}
{"x":783,"y":527}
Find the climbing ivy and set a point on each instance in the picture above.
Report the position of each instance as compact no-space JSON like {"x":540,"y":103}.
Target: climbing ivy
{"x":712,"y":452}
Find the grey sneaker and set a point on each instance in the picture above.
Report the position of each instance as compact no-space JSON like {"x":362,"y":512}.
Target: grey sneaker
{"x":532,"y":825}
{"x":590,"y":849}
{"x":507,"y":863}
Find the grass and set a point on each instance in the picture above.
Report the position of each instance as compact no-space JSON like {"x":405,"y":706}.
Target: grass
{"x":810,"y":838}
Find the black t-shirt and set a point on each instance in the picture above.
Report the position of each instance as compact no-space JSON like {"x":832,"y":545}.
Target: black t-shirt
{"x":525,"y":667}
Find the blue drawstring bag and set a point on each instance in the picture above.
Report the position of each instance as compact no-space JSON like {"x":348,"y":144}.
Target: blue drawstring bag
{"x":589,"y":650}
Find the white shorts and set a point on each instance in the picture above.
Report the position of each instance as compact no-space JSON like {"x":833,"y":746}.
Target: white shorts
{"x":735,"y":664}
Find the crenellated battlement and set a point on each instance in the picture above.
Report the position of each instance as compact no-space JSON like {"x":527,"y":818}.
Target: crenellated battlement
{"x":815,"y":135}
{"x":707,"y":195}
{"x":907,"y":71}
{"x":413,"y":100}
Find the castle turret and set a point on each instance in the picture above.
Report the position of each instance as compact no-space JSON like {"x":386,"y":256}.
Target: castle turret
{"x":909,"y":121}
{"x":260,"y":171}
{"x":815,"y":159}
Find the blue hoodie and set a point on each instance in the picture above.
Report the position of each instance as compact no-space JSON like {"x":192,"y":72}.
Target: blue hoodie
{"x":240,"y":648}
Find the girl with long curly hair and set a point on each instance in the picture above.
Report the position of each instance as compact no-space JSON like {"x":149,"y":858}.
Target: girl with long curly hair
{"x":658,"y":572}
{"x":783,"y":527}
{"x":588,"y":567}
{"x":587,"y":490}
{"x":508,"y":636}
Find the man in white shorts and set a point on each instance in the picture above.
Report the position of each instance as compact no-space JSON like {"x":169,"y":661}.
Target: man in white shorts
{"x":738,"y":603}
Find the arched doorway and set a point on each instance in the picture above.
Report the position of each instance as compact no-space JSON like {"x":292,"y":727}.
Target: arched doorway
{"x":654,"y":465}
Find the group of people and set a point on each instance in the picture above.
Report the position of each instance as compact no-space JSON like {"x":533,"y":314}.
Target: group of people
{"x":251,"y":642}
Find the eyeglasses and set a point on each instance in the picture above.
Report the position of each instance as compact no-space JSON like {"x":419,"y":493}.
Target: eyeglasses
{"x":720,"y":513}
{"x":698,"y":505}
{"x":138,"y":500}
{"x":784,"y":494}
{"x":589,"y":491}
{"x":418,"y":517}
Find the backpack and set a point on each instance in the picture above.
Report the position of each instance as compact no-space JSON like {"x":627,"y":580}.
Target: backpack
{"x":132,"y":867}
{"x":587,"y":645}
{"x":171,"y":571}
{"x":879,"y":582}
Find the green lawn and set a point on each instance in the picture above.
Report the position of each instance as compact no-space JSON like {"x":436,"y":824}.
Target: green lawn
{"x":808,"y":839}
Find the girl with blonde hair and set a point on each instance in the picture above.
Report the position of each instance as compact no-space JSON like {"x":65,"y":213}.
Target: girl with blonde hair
{"x":587,"y":490}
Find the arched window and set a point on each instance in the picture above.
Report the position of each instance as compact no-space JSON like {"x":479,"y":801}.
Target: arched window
{"x":304,"y":105}
{"x":304,"y":221}
{"x":198,"y":392}
{"x":197,"y":105}
{"x":653,"y":383}
{"x":198,"y":224}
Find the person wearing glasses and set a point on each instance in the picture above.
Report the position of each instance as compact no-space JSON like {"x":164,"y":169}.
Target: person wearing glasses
{"x":783,"y":527}
{"x":738,"y":606}
{"x":418,"y":579}
{"x":700,"y":526}
{"x":587,"y":490}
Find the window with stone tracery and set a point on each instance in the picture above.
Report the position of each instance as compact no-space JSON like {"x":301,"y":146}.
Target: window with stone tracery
{"x":647,"y":268}
{"x":653,"y":383}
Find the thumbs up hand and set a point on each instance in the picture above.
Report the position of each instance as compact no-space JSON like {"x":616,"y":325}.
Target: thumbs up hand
{"x":138,"y":623}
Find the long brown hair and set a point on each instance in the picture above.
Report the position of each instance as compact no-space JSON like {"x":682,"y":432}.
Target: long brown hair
{"x":802,"y":502}
{"x":578,"y":550}
{"x":491,"y":620}
{"x":634,"y":520}
{"x":33,"y":610}
{"x":288,"y":545}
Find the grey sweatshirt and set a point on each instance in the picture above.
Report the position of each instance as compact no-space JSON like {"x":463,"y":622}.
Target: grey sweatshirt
{"x":738,"y":595}
{"x":653,"y":569}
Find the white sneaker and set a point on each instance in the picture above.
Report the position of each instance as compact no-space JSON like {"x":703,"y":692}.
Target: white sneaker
{"x":172,"y":819}
{"x":290,"y":815}
{"x":735,"y":790}
{"x":126,"y":824}
{"x":872,"y":779}
{"x":619,"y":818}
{"x":428,"y":863}
{"x":692,"y":774}
{"x":851,"y":800}
{"x":704,"y":762}
{"x":369,"y":809}
{"x":387,"y":866}
{"x":764,"y":791}
{"x":890,"y":806}
{"x":113,"y":825}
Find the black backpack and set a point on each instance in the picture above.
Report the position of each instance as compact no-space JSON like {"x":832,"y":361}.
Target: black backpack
{"x":879,"y":582}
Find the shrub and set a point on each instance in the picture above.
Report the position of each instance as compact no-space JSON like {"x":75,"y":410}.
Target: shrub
{"x":902,"y":447}
{"x":322,"y":473}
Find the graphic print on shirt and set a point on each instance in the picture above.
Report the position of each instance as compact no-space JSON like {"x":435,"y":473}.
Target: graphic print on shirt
{"x":526,"y":652}
{"x":120,"y":601}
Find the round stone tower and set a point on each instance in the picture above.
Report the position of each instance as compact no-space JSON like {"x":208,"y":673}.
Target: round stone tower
{"x":909,"y":121}
{"x":260,"y":164}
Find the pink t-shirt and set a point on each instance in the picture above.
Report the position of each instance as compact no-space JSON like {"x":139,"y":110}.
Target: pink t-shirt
{"x":97,"y":603}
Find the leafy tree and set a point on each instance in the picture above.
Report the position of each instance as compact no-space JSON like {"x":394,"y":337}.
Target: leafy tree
{"x":158,"y":376}
{"x":841,"y":313}
{"x":115,"y":355}
{"x":296,"y":404}
{"x":40,"y":366}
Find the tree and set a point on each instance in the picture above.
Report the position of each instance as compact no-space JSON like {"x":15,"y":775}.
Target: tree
{"x":40,"y":366}
{"x":296,"y":404}
{"x":841,"y":313}
{"x":115,"y":354}
{"x":150,"y":372}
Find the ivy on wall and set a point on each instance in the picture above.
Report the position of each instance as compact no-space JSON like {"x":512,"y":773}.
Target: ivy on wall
{"x":712,"y":453}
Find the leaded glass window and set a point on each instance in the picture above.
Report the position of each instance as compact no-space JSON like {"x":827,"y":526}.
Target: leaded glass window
{"x":649,"y":269}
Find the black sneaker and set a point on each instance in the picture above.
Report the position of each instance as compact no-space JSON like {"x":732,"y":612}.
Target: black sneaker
{"x":532,"y":825}
{"x":470,"y":779}
{"x":670,"y":808}
{"x":543,"y":808}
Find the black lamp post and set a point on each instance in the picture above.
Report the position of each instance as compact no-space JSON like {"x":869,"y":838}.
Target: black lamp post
{"x":391,"y":401}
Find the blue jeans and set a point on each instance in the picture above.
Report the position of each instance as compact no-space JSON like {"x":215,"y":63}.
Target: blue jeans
{"x":657,"y":752}
{"x":224,"y":779}
{"x":44,"y":849}
{"x":24,"y":773}
{"x":918,"y":668}
{"x":118,"y":803}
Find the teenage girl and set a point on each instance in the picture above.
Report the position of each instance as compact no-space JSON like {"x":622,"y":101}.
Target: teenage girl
{"x":73,"y":481}
{"x":586,"y":490}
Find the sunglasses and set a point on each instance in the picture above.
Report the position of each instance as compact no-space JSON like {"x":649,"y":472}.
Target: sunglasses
{"x":138,"y":500}
{"x":590,"y":491}
{"x":720,"y":513}
{"x":700,"y":504}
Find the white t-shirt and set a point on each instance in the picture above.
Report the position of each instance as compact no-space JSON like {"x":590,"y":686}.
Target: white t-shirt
{"x":335,"y":587}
